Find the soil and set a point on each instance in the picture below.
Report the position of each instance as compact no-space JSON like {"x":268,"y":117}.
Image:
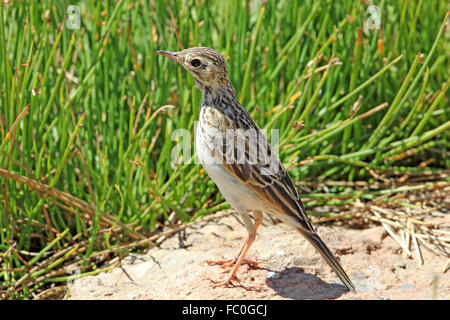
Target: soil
{"x":293,"y":269}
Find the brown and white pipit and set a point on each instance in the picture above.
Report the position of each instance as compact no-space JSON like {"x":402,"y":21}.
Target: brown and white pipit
{"x":237,"y":156}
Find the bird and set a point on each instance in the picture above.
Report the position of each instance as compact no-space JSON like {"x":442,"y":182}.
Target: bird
{"x":239,"y":159}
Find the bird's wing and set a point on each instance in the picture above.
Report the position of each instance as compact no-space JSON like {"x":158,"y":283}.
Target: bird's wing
{"x":266,"y":176}
{"x":248,"y":156}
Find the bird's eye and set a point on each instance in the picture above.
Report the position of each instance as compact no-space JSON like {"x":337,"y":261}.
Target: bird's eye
{"x":195,"y":62}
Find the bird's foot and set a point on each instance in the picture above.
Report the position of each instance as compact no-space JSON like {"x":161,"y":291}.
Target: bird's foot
{"x":231,"y":262}
{"x":233,"y":281}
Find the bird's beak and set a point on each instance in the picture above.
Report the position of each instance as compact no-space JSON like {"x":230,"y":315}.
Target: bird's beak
{"x":170,"y":55}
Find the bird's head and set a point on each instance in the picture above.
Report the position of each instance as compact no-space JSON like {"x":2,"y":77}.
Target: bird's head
{"x":206,"y":65}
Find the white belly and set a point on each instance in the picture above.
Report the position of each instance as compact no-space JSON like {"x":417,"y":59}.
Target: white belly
{"x":239,"y":195}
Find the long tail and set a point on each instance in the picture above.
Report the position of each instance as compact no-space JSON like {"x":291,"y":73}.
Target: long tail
{"x":315,"y":240}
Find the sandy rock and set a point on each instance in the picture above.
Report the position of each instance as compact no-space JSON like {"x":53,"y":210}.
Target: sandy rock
{"x":294,"y":270}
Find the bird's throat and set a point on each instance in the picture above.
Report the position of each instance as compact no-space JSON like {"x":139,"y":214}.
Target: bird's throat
{"x":217,"y":94}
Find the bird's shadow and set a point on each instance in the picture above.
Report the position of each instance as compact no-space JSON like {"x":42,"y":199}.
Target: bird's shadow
{"x":294,"y":283}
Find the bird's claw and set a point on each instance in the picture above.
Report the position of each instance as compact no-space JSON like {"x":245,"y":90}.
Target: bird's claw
{"x":231,"y":282}
{"x":231,"y":262}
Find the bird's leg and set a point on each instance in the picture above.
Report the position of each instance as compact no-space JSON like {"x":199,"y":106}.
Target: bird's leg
{"x":231,"y":262}
{"x":248,"y":242}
